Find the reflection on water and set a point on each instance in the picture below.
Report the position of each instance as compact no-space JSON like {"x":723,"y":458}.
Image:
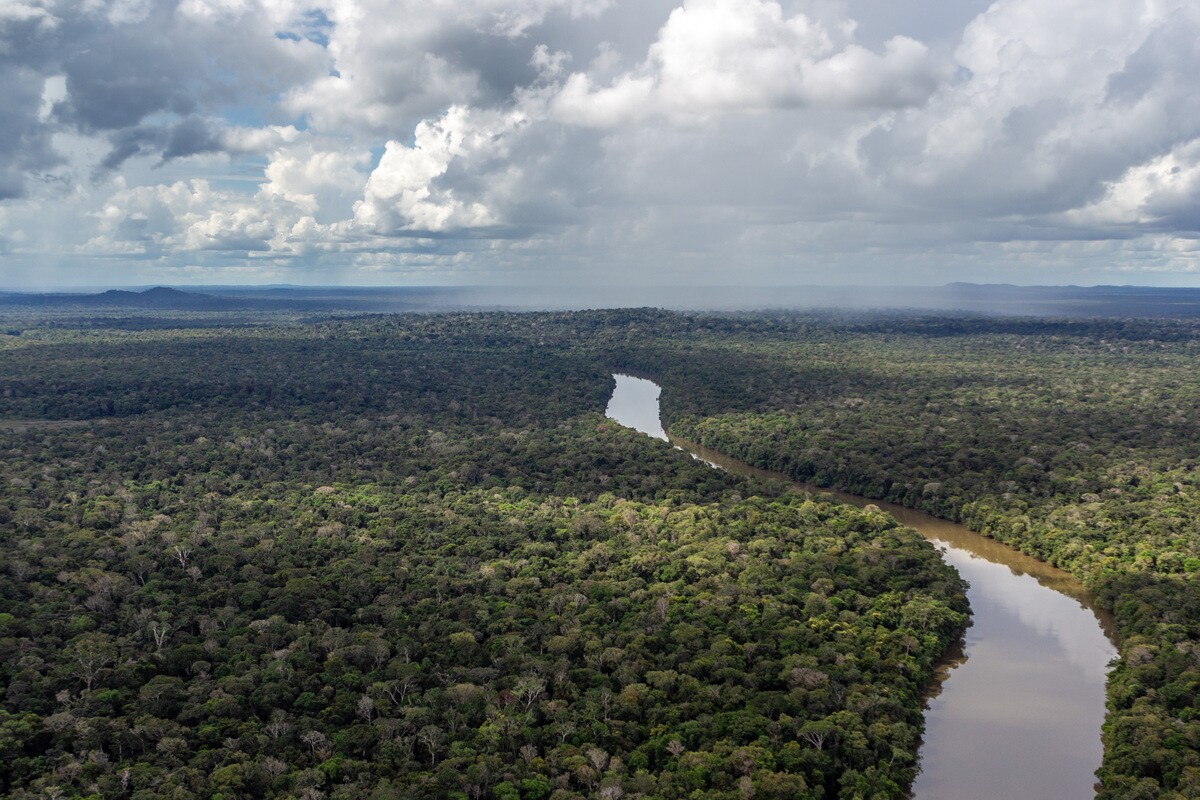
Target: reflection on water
{"x":634,"y":404}
{"x":1019,"y":715}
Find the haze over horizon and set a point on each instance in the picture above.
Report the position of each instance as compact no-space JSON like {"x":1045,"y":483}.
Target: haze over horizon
{"x":601,"y":142}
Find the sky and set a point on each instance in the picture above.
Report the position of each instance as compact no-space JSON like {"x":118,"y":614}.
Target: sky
{"x":599,"y":142}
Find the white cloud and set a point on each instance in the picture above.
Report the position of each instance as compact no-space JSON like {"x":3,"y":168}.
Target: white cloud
{"x":549,"y":64}
{"x":403,"y":192}
{"x":678,"y":136}
{"x":715,"y":56}
{"x":1162,"y":191}
{"x":1056,"y":100}
{"x":627,"y":98}
{"x":192,"y":216}
{"x":396,"y":63}
{"x":243,"y":139}
{"x":316,"y":179}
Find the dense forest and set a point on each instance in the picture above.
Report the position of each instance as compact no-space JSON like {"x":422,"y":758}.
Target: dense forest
{"x":408,"y":557}
{"x":1072,"y":440}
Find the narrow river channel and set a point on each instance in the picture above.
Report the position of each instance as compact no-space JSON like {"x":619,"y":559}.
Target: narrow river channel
{"x":1018,"y":713}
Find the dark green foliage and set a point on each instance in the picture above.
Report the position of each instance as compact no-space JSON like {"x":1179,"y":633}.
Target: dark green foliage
{"x":1072,"y":440}
{"x":407,"y":557}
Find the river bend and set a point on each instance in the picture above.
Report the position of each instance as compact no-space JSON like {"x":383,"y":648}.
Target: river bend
{"x":1018,"y":713}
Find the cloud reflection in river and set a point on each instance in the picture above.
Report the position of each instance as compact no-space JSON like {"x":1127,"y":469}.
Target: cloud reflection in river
{"x":1020,"y":717}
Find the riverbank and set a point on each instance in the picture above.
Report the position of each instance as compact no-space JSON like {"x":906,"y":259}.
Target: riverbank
{"x":1020,"y":715}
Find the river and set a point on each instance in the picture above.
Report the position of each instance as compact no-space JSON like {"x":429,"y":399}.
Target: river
{"x":1018,"y":712}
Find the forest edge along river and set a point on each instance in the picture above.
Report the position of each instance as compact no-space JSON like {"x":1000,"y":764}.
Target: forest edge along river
{"x":1018,"y":712}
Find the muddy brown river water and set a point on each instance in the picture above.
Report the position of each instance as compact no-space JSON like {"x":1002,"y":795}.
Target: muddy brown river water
{"x":1018,"y":712}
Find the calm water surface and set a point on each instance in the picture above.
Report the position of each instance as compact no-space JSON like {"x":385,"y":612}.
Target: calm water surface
{"x":634,"y":404}
{"x":1018,"y":715}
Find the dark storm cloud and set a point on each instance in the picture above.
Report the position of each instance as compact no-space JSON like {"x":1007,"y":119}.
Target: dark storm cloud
{"x":501,"y":62}
{"x":1168,"y":55}
{"x":25,"y":147}
{"x":135,"y":75}
{"x":191,"y":136}
{"x":27,"y":44}
{"x":122,"y":76}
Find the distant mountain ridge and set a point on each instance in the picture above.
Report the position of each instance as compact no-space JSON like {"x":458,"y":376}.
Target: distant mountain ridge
{"x":159,"y":298}
{"x":165,"y":297}
{"x":971,"y":298}
{"x":249,"y":298}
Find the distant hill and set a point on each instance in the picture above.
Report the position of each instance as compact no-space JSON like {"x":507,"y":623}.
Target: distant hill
{"x":160,"y":298}
{"x":248,"y":298}
{"x":163,"y":297}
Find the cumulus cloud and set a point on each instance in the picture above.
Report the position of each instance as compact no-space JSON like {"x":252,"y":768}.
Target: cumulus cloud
{"x":559,"y":136}
{"x":323,"y":183}
{"x":736,"y":55}
{"x":404,"y":192}
{"x":397,"y":63}
{"x":151,"y":77}
{"x":148,"y":220}
{"x":1163,"y":193}
{"x":307,"y":190}
{"x":1055,"y":102}
{"x":245,"y":139}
